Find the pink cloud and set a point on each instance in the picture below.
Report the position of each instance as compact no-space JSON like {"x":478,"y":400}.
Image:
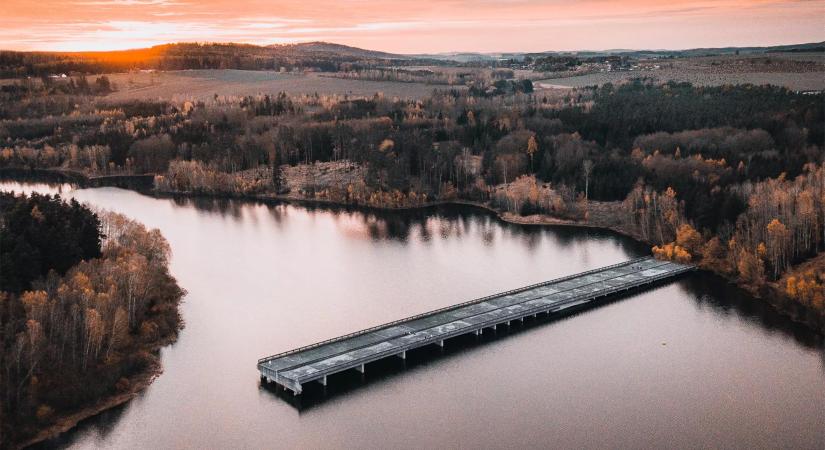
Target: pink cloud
{"x":413,"y":27}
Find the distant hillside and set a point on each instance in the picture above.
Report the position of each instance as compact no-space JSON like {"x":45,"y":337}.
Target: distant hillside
{"x":320,"y":56}
{"x":467,"y":57}
{"x":460,"y":57}
{"x":694,"y":52}
{"x":340,"y":50}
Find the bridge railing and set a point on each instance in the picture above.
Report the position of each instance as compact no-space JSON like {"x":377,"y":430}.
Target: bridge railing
{"x":586,"y":297}
{"x":449,"y":308}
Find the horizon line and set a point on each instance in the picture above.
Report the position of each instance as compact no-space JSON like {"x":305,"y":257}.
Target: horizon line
{"x":451,"y":52}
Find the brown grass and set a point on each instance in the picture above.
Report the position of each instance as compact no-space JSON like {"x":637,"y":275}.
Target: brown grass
{"x":205,"y":84}
{"x":803,"y":72}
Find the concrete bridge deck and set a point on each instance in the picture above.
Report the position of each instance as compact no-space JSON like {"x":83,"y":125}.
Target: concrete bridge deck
{"x":315,"y":362}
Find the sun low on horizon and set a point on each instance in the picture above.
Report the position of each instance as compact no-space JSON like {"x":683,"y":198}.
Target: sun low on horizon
{"x":399,"y":26}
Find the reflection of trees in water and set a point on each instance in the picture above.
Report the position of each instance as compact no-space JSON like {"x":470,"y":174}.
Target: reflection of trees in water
{"x":456,"y":221}
{"x":99,"y":426}
{"x":450,"y":221}
{"x":822,"y":357}
{"x":42,"y":187}
{"x":728,"y":301}
{"x":221,"y":206}
{"x":459,"y":220}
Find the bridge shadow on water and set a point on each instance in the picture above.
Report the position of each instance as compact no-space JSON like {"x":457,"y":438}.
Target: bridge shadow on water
{"x":378,"y":372}
{"x":707,"y":291}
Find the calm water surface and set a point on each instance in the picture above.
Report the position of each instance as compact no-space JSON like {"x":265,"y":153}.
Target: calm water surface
{"x":690,"y":364}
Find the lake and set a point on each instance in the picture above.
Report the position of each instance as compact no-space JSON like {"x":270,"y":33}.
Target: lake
{"x":693,"y":363}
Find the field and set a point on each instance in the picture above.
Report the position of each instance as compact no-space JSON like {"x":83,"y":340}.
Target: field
{"x":204,"y":84}
{"x":800,"y":72}
{"x":796,"y":71}
{"x":519,"y":73}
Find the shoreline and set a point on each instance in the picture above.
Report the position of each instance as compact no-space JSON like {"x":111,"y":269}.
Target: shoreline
{"x":797,"y":312}
{"x":768,"y":293}
{"x":64,"y":421}
{"x":137,"y":384}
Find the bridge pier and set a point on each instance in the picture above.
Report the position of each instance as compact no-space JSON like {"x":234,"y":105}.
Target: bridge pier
{"x":287,"y":370}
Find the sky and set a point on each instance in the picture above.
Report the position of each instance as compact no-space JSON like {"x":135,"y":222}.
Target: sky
{"x":412,"y":26}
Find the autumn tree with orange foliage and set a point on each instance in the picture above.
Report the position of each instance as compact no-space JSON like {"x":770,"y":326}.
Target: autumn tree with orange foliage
{"x":654,"y":216}
{"x":751,"y":268}
{"x":689,"y":239}
{"x":688,"y":246}
{"x":808,"y":288}
{"x":672,"y":252}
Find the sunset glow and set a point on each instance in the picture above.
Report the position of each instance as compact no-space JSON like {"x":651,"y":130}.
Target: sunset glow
{"x":412,"y":26}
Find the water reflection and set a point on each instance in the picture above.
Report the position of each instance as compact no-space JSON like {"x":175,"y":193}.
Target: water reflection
{"x":100,"y":426}
{"x":42,"y":187}
{"x":446,"y":222}
{"x":732,"y":303}
{"x":694,"y":363}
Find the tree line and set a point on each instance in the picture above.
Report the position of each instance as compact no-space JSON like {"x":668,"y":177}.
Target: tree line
{"x":187,"y":56}
{"x":670,"y":154}
{"x":599,"y":140}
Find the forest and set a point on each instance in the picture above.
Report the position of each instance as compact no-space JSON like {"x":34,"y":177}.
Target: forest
{"x":42,"y":233}
{"x":735,"y":170}
{"x":86,"y":299}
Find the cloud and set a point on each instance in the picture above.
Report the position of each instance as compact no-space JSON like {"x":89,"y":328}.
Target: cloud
{"x":120,"y":3}
{"x":413,"y":26}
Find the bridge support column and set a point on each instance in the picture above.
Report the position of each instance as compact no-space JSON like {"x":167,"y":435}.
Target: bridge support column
{"x":441,"y":343}
{"x":477,"y":332}
{"x":403,"y":355}
{"x":360,"y":368}
{"x":323,"y":380}
{"x":494,"y":328}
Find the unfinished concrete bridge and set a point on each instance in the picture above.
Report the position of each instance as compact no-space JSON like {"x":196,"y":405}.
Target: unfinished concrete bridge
{"x":316,"y":362}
